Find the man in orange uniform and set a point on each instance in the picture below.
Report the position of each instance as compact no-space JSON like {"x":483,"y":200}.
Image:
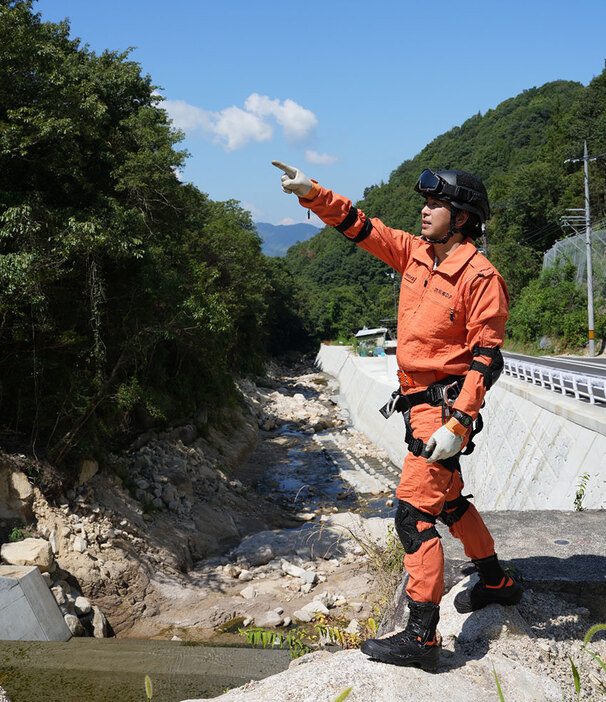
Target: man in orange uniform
{"x":451,"y":323}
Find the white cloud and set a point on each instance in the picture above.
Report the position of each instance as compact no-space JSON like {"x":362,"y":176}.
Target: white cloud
{"x":234,"y":127}
{"x":187,"y":117}
{"x":296,"y":121}
{"x":319,"y":159}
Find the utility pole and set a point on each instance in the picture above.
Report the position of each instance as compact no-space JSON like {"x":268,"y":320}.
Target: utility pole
{"x":590,"y":322}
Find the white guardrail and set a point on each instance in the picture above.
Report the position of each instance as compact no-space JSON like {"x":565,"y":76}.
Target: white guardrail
{"x":580,"y":385}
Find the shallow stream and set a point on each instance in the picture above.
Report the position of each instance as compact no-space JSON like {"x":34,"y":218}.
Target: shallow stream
{"x":114,"y":670}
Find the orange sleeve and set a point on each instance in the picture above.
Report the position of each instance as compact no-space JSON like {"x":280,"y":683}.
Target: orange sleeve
{"x":392,"y":246}
{"x":487,"y":310}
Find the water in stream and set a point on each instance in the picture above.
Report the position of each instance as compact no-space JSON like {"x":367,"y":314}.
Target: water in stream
{"x":114,"y":670}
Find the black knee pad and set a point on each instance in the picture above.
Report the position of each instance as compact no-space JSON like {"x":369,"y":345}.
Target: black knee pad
{"x":454,"y":510}
{"x":406,"y":520}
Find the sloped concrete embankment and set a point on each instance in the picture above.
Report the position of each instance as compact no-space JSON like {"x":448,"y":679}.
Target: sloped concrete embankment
{"x":534,"y":451}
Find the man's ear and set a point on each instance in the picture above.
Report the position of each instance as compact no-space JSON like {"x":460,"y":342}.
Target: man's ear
{"x":461,"y":218}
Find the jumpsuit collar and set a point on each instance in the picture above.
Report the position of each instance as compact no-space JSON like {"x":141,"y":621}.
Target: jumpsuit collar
{"x":452,"y":264}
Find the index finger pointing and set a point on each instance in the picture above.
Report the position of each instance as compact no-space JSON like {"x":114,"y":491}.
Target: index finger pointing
{"x":290,"y":171}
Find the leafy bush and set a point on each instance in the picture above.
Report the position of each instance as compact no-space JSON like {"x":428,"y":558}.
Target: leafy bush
{"x":554,"y":305}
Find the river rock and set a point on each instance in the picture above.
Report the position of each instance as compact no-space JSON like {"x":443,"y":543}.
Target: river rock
{"x":29,"y":552}
{"x":306,"y":575}
{"x":58,"y":594}
{"x":303,"y":615}
{"x":315,"y":607}
{"x":16,"y":494}
{"x":88,"y":468}
{"x":80,"y":544}
{"x":82,"y":605}
{"x":268,"y":620}
{"x":262,"y":555}
{"x":74,"y":625}
{"x":248,"y":593}
{"x":99,"y":623}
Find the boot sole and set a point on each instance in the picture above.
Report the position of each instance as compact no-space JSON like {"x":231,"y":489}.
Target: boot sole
{"x":428,"y":662}
{"x":463,"y":609}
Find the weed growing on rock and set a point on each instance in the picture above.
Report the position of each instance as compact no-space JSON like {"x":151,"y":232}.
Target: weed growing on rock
{"x":18,"y":535}
{"x":294,"y":641}
{"x":580,"y":494}
{"x":333,"y":631}
{"x":386,"y":562}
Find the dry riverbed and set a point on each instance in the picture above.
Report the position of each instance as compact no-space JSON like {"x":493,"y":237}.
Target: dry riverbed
{"x":212,"y":524}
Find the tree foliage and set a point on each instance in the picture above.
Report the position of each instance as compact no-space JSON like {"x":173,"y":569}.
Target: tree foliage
{"x":127,"y":299}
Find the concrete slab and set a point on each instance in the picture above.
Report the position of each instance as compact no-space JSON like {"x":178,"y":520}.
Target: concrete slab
{"x":28,"y":610}
{"x":537,"y":448}
{"x":550,"y":551}
{"x":558,"y":551}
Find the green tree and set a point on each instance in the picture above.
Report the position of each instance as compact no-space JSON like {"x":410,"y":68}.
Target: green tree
{"x":127,"y":299}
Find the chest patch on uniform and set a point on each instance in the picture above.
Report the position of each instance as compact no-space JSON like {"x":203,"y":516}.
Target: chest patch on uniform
{"x":410,"y":277}
{"x":443,"y":293}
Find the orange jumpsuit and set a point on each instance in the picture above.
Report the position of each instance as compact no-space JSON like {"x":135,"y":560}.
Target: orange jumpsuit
{"x":443,"y":313}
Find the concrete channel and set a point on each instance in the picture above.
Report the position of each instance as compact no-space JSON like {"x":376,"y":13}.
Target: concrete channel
{"x":107,"y":670}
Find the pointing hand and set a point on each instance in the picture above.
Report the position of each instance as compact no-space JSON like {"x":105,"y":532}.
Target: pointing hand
{"x":293,"y":180}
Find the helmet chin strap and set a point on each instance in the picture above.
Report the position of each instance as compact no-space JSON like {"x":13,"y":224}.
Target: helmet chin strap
{"x":451,"y":231}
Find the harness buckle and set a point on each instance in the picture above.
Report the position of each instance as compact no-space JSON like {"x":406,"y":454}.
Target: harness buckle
{"x":416,"y":447}
{"x":450,"y":393}
{"x":392,"y":404}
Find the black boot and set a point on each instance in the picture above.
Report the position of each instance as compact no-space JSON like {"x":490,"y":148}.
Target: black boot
{"x":416,"y":645}
{"x":494,"y":586}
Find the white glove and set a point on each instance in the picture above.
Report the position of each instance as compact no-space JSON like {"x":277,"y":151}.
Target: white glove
{"x":442,"y":444}
{"x":294,"y":180}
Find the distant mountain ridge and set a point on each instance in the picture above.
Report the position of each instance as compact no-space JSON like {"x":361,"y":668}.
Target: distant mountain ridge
{"x":278,"y":238}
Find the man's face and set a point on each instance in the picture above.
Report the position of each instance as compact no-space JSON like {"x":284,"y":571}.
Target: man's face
{"x":435,"y":218}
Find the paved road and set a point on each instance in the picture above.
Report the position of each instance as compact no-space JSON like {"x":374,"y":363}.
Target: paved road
{"x":576,"y":364}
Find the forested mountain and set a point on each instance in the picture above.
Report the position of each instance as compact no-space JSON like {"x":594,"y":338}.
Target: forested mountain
{"x":276,"y":239}
{"x":127,"y":299}
{"x":519,"y":150}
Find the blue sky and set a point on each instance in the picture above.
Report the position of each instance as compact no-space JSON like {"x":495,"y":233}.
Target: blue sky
{"x":345,"y":90}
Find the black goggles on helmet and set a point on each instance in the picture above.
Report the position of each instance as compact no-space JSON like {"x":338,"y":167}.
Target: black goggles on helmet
{"x":432,"y":184}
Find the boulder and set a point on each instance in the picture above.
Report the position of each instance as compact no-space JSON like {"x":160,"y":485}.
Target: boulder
{"x":16,"y":494}
{"x":74,"y":625}
{"x":99,"y":623}
{"x":489,"y":624}
{"x":88,"y":468}
{"x":322,"y":677}
{"x":82,"y":605}
{"x":29,"y":552}
{"x":268,"y":620}
{"x":307,"y":575}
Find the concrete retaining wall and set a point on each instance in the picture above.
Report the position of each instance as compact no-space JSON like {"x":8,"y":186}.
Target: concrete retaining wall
{"x":533,"y":453}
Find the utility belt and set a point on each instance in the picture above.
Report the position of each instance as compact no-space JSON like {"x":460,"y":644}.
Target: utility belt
{"x":441,"y":393}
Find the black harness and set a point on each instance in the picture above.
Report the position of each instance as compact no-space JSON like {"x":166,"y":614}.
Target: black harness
{"x":441,"y":393}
